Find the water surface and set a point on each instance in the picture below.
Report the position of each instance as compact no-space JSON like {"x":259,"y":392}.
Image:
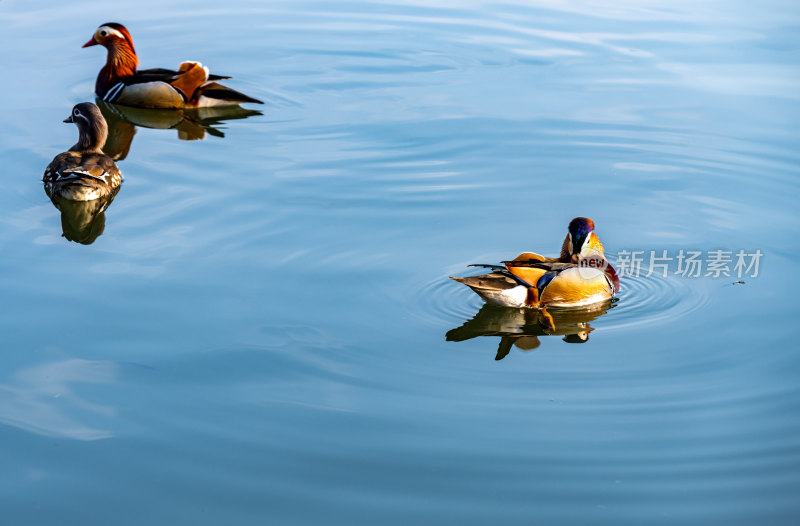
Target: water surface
{"x":258,"y":333}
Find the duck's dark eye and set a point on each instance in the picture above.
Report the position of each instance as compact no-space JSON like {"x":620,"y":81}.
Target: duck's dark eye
{"x":76,"y":113}
{"x":103,"y":33}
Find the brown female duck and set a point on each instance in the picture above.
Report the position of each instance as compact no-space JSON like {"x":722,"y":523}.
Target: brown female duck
{"x":84,"y":172}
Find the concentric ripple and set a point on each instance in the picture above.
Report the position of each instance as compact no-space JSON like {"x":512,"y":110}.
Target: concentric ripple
{"x":442,"y":301}
{"x":655,"y":299}
{"x":642,"y":300}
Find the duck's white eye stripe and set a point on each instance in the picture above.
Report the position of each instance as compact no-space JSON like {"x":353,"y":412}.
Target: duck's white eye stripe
{"x":110,"y":31}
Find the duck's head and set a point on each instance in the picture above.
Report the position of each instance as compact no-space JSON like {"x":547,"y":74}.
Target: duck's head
{"x":92,"y":127}
{"x":111,"y":34}
{"x":581,"y":241}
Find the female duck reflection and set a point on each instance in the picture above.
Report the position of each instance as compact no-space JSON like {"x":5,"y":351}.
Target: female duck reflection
{"x":522,"y":327}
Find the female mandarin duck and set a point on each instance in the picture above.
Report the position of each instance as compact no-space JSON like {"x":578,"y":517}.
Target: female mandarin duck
{"x":84,"y":172}
{"x":580,"y":276}
{"x":120,"y":82}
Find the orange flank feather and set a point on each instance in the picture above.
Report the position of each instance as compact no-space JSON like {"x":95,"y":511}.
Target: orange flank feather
{"x":191,"y":76}
{"x":527,"y":256}
{"x":529,"y":267}
{"x":531,"y":275}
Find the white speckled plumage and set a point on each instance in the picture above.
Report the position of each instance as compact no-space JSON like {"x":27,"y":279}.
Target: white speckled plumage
{"x":84,"y":172}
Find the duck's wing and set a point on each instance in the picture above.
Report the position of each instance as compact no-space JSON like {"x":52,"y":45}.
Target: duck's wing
{"x":503,"y":279}
{"x":498,"y":288}
{"x":195,"y":82}
{"x":164,"y":74}
{"x":548,"y":264}
{"x":217,"y":92}
{"x":59,"y":162}
{"x":145,"y":91}
{"x":143,"y":76}
{"x":75,"y":166}
{"x":533,"y":257}
{"x":494,"y":281}
{"x":101,"y":166}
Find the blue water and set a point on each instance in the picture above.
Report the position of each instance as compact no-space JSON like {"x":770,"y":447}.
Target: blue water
{"x":258,"y":334}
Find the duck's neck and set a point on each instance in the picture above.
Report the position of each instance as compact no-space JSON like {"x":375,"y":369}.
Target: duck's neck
{"x":596,"y":249}
{"x":91,"y":138}
{"x":121,"y":62}
{"x":566,"y":250}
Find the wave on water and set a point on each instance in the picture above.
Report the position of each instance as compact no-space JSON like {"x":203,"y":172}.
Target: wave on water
{"x":642,"y":301}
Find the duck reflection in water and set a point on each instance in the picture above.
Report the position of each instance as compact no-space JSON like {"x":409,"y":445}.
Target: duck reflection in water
{"x":82,"y":221}
{"x":192,"y":124}
{"x":522,"y":328}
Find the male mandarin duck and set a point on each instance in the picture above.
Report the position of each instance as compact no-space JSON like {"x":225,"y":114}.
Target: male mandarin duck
{"x":84,"y":172}
{"x":579,"y":276}
{"x":120,"y":82}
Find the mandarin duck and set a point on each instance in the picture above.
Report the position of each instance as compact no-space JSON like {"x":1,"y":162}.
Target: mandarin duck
{"x":83,"y":172}
{"x":579,"y":276}
{"x":120,"y":82}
